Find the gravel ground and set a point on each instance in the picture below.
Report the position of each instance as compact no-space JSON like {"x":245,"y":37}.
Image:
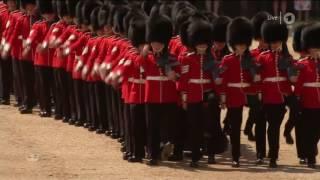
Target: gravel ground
{"x":35,"y":148}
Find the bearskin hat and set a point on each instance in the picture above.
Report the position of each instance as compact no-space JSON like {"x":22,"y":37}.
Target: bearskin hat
{"x":159,"y":29}
{"x":131,"y":14}
{"x":296,"y":38}
{"x":87,"y":9}
{"x":182,"y":16}
{"x":273,"y":31}
{"x":103,"y":15}
{"x":94,"y":19}
{"x":118,"y":19}
{"x":45,"y":7}
{"x":179,"y":5}
{"x":220,"y":26}
{"x":62,"y":9}
{"x":147,"y":6}
{"x":199,"y":32}
{"x":78,"y":11}
{"x":310,"y":36}
{"x":137,"y":31}
{"x":257,"y":21}
{"x":240,"y":31}
{"x":72,"y":6}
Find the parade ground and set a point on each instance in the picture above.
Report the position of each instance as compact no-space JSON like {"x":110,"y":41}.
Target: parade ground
{"x":38,"y":148}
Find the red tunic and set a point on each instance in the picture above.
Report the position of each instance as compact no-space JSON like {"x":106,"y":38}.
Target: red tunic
{"x":275,"y":83}
{"x":308,"y":85}
{"x":194,"y":81}
{"x":235,"y":81}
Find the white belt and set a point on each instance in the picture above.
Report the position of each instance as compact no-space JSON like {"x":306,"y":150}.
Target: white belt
{"x":200,"y":81}
{"x":136,"y":81}
{"x":312,"y":84}
{"x":238,"y":85}
{"x":157,"y":78}
{"x":275,"y":79}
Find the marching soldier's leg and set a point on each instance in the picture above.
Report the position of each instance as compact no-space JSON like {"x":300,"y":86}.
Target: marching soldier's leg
{"x":100,"y":97}
{"x":260,"y":132}
{"x":235,"y":119}
{"x":92,"y":108}
{"x":194,"y":116}
{"x":138,"y":131}
{"x":28,"y":72}
{"x":115,"y":112}
{"x":153,"y":132}
{"x":109,"y":109}
{"x":58,"y":95}
{"x":292,"y":103}
{"x":6,"y":73}
{"x":72,"y":101}
{"x":63,"y":83}
{"x":17,"y":82}
{"x":274,"y":115}
{"x":81,"y":100}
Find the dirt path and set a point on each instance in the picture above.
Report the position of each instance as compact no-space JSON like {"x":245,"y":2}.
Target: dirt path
{"x":35,"y":148}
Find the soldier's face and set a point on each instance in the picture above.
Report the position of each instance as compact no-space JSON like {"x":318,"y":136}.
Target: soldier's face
{"x":12,"y":5}
{"x":276,"y":46}
{"x":48,"y":16}
{"x":67,"y":19}
{"x":201,"y":48}
{"x":219,"y":45}
{"x":31,"y":9}
{"x":108,"y":29}
{"x":157,"y":46}
{"x":240,"y":48}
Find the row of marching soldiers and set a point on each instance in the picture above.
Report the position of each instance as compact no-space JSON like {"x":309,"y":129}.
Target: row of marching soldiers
{"x":152,"y":74}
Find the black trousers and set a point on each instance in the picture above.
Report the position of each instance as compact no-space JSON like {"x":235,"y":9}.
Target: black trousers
{"x":254,"y":108}
{"x":27,"y":83}
{"x":204,"y":121}
{"x":216,"y":141}
{"x":58,"y":93}
{"x":17,"y":82}
{"x":6,"y":78}
{"x":81,"y":99}
{"x":299,"y":132}
{"x":260,"y":132}
{"x":292,"y":103}
{"x":158,"y":117}
{"x":311,"y":133}
{"x":274,"y":116}
{"x":180,"y":132}
{"x":115,"y":111}
{"x":93,"y":117}
{"x":70,"y":93}
{"x":121,"y":114}
{"x":45,"y":79}
{"x":128,"y":135}
{"x":235,"y":118}
{"x":101,"y":104}
{"x":138,"y":129}
{"x":109,"y":107}
{"x":65,"y":93}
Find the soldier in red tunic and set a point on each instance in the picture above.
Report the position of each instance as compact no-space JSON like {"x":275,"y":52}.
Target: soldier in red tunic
{"x":308,"y":91}
{"x":160,"y":89}
{"x":297,"y":47}
{"x":43,"y":57}
{"x":237,"y":78}
{"x":255,"y":112}
{"x":10,"y":54}
{"x":196,"y":85}
{"x":276,"y":87}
